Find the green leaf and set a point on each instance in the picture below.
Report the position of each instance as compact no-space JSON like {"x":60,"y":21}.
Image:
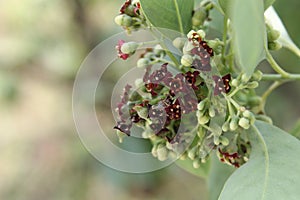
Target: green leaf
{"x":249,"y":33}
{"x":227,"y":4}
{"x":187,"y":165}
{"x":272,"y":171}
{"x":169,"y":14}
{"x":218,"y":175}
{"x":296,"y":130}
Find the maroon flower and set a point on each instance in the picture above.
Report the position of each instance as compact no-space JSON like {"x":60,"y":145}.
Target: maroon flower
{"x":188,"y":104}
{"x":125,"y":6}
{"x":191,"y":78}
{"x":124,"y":127}
{"x":202,"y":65}
{"x":130,"y":9}
{"x":177,"y":84}
{"x":122,"y":55}
{"x":174,"y":110}
{"x":161,"y":75}
{"x":231,"y":158}
{"x":222,"y":84}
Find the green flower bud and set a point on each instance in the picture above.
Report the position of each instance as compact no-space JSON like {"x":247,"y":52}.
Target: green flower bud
{"x":274,"y":46}
{"x":123,"y":20}
{"x":199,"y":17}
{"x":233,"y":125}
{"x":273,"y":35}
{"x":158,"y":50}
{"x":201,"y":106}
{"x":129,"y":47}
{"x":179,"y":42}
{"x":214,"y":44}
{"x":211,"y":112}
{"x":245,"y":78}
{"x":252,"y":85}
{"x":225,"y":126}
{"x":216,"y":140}
{"x":203,"y":119}
{"x":257,"y":75}
{"x":187,"y":60}
{"x":143,"y":62}
{"x":224,"y":141}
{"x":192,"y":152}
{"x":196,"y":164}
{"x":154,"y":151}
{"x":162,"y":153}
{"x":247,"y":114}
{"x":244,"y":123}
{"x":235,"y":83}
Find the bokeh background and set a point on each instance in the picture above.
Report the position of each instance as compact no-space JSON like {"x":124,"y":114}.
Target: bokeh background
{"x":42,"y":44}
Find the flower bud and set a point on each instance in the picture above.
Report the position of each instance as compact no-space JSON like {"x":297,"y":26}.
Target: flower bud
{"x":162,"y":153}
{"x":224,"y":141}
{"x":199,"y":17}
{"x":158,"y":50}
{"x":244,"y":123}
{"x":233,"y":125}
{"x":211,"y":112}
{"x":129,"y":47}
{"x":203,"y":119}
{"x":196,"y":163}
{"x":216,"y":140}
{"x":187,"y":60}
{"x":247,"y":114}
{"x":179,"y":42}
{"x":201,"y":106}
{"x":123,"y":20}
{"x":257,"y":75}
{"x":245,"y":78}
{"x":235,"y":83}
{"x":252,"y":85}
{"x":274,"y":46}
{"x":143,"y":62}
{"x":273,"y":35}
{"x":225,"y":126}
{"x":192,"y":152}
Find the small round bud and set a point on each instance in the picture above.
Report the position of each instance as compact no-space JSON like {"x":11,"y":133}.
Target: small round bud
{"x":129,"y":47}
{"x":244,"y":123}
{"x":199,"y":17}
{"x":203,"y":119}
{"x":201,"y":106}
{"x":273,"y":35}
{"x":158,"y":50}
{"x":211,"y":112}
{"x":179,"y":42}
{"x":201,"y":33}
{"x":274,"y":46}
{"x":247,"y":114}
{"x":217,"y":140}
{"x":196,"y":164}
{"x":257,"y":75}
{"x":187,"y":60}
{"x":214,"y":44}
{"x":235,"y":83}
{"x":225,"y":126}
{"x":233,"y":125}
{"x":252,"y":85}
{"x":143,"y":62}
{"x":123,"y":20}
{"x":224,"y":140}
{"x":245,"y":78}
{"x":162,"y":153}
{"x":192,"y":152}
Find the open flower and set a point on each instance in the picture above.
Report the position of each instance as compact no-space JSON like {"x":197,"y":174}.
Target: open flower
{"x":222,"y":84}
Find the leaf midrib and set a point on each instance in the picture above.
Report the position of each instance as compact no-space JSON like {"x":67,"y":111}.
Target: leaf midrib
{"x":267,"y":161}
{"x":178,"y":16}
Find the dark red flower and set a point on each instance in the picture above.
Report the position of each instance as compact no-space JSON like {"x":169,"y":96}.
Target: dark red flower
{"x":202,"y":65}
{"x":222,"y":84}
{"x":177,"y":84}
{"x":174,"y":110}
{"x":122,"y":55}
{"x":188,"y":104}
{"x":161,"y":75}
{"x":124,"y":127}
{"x":125,"y":6}
{"x":191,"y":78}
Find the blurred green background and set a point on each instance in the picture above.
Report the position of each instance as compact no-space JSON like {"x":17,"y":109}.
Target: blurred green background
{"x":42,"y":44}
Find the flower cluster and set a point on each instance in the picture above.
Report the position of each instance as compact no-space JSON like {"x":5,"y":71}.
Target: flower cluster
{"x":130,"y":17}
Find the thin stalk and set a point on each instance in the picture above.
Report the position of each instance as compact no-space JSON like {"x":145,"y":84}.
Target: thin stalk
{"x":279,"y":77}
{"x":275,"y":66}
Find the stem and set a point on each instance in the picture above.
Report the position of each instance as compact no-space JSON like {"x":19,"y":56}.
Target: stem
{"x":224,"y":39}
{"x":267,"y":93}
{"x":179,"y":17}
{"x":278,"y":77}
{"x":275,"y":66}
